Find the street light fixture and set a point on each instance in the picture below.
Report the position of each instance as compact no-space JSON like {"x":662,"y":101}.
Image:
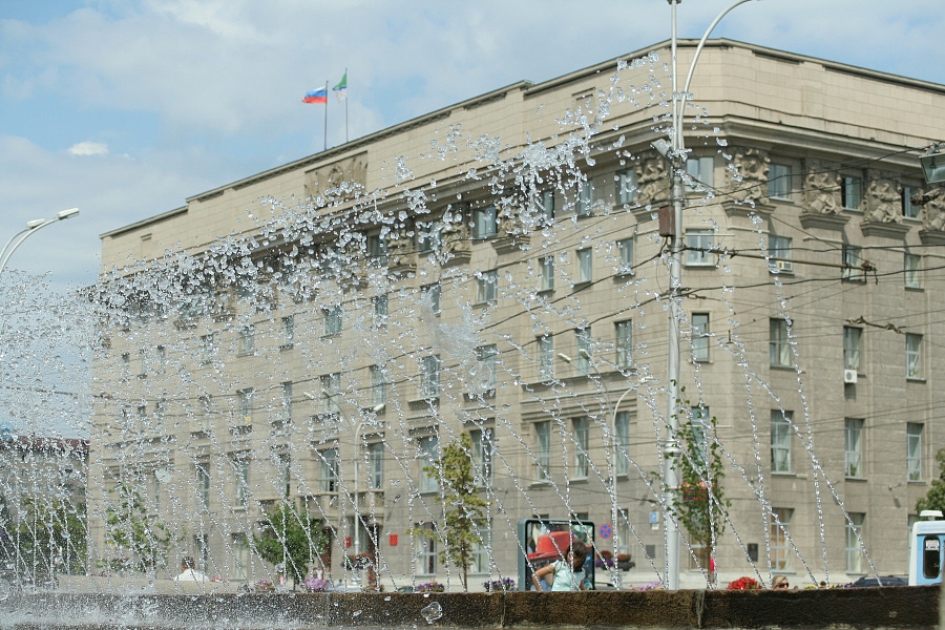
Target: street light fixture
{"x":31,"y":228}
{"x":933,"y":165}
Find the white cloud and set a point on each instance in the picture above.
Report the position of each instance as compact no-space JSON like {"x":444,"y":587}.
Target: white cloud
{"x":88,"y":148}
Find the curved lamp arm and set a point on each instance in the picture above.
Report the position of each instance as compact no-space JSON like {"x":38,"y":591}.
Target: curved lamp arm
{"x":31,"y":228}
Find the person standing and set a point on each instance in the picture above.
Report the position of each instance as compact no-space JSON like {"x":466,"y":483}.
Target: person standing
{"x":568,"y":573}
{"x":189,"y":573}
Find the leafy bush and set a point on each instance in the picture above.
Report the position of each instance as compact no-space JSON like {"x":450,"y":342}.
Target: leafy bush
{"x":430,"y":587}
{"x":505,"y":584}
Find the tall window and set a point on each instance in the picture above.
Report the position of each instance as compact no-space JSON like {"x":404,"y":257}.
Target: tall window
{"x":851,"y":192}
{"x":428,"y":236}
{"x":780,"y":531}
{"x":330,"y":467}
{"x":247,"y":340}
{"x":781,"y":441}
{"x":244,"y":399}
{"x":429,"y":454}
{"x":546,"y":267}
{"x":911,"y":265}
{"x":780,"y":250}
{"x":913,"y":356}
{"x":853,"y":447}
{"x":284,"y":469}
{"x":481,"y":547}
{"x":546,"y":357}
{"x":625,"y":186}
{"x":779,"y":181}
{"x":486,"y":285}
{"x":426,"y":551}
{"x":700,"y":434}
{"x":333,"y":318}
{"x":585,"y":199}
{"x":160,"y":360}
{"x":430,"y":297}
{"x":698,"y":242}
{"x":241,"y":478}
{"x":622,"y":437}
{"x":378,"y":385}
{"x":206,"y":348}
{"x":488,"y":357}
{"x":430,"y":376}
{"x":624,"y":334}
{"x":581,"y":442}
{"x":142,"y":363}
{"x":288,"y":331}
{"x":547,"y":208}
{"x":379,"y":302}
{"x":377,"y":250}
{"x":700,"y":336}
{"x":484,"y":225}
{"x":701,"y":170}
{"x":851,"y":347}
{"x":914,"y":451}
{"x":483,"y":444}
{"x":625,"y":254}
{"x":854,"y":551}
{"x":585,"y":259}
{"x":852,"y":264}
{"x":287,"y":400}
{"x":779,"y":348}
{"x":909,"y":210}
{"x":205,"y":412}
{"x":203,"y":484}
{"x":543,"y":450}
{"x":331,"y":392}
{"x":375,"y":455}
{"x":583,"y":338}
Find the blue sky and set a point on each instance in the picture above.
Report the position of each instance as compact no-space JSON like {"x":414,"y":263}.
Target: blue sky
{"x":124,"y":108}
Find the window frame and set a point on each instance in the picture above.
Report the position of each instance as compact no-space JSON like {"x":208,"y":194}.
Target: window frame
{"x":375,"y":465}
{"x":334,"y":318}
{"x":429,"y":454}
{"x":580,"y":428}
{"x":852,"y":348}
{"x":914,"y":431}
{"x":779,"y":530}
{"x":851,"y":257}
{"x":912,"y":267}
{"x":625,"y":248}
{"x":622,"y":443}
{"x":543,"y":450}
{"x":546,"y":357}
{"x":546,"y":270}
{"x":781,"y":248}
{"x":914,"y":357}
{"x":626,"y":182}
{"x":430,"y":376}
{"x":700,"y":325}
{"x":623,"y":334}
{"x":779,"y":343}
{"x":485,"y":223}
{"x":483,"y":456}
{"x":701,"y":239}
{"x":780,"y":181}
{"x":585,"y":264}
{"x":487,"y":287}
{"x":331,"y":393}
{"x":329,"y":470}
{"x":782,"y":454}
{"x":851,"y":192}
{"x":853,"y":450}
{"x":853,"y":551}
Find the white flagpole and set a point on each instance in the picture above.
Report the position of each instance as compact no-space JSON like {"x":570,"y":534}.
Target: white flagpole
{"x":346,"y":106}
{"x":326,"y":114}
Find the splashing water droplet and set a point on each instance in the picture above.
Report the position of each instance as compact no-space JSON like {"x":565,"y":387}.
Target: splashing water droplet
{"x":432,"y":612}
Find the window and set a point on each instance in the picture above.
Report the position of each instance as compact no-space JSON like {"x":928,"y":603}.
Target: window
{"x":913,"y":356}
{"x":851,"y":192}
{"x":142,"y":363}
{"x":426,"y":551}
{"x":375,"y":458}
{"x":698,"y":244}
{"x":854,"y":551}
{"x":911,"y":265}
{"x":430,"y":376}
{"x":909,"y":210}
{"x":780,"y":254}
{"x":247,"y":340}
{"x":851,"y":347}
{"x":206,"y":348}
{"x":284,"y":467}
{"x":779,"y":347}
{"x":287,"y":401}
{"x":700,"y":434}
{"x":487,"y":356}
{"x":914,"y":451}
{"x":331,"y":393}
{"x":379,"y":302}
{"x":622,"y":441}
{"x":160,"y":412}
{"x":853,"y":447}
{"x":547,"y":208}
{"x":546,"y":357}
{"x":486,"y":284}
{"x":205,"y":411}
{"x":585,"y":200}
{"x":780,"y":532}
{"x":483,"y":445}
{"x":484,"y":225}
{"x":377,"y":250}
{"x":781,"y":441}
{"x":625,"y":254}
{"x":126,"y":366}
{"x":852,"y":264}
{"x":244,"y":400}
{"x":288,"y":331}
{"x":427,"y":481}
{"x":333,"y":318}
{"x":625,"y":186}
{"x":481,"y":546}
{"x":203,"y":484}
{"x":546,"y":267}
{"x":428,"y":236}
{"x":160,"y":360}
{"x":241,"y":478}
{"x":378,"y":385}
{"x":585,"y":259}
{"x":430,"y":298}
{"x":581,"y":441}
{"x":700,"y":169}
{"x":700,"y":337}
{"x":583,"y":338}
{"x":330,"y":466}
{"x":779,"y":181}
{"x":543,"y":450}
{"x":624,"y":334}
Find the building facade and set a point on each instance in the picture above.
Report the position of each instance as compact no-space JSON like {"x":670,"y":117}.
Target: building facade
{"x":317,"y":333}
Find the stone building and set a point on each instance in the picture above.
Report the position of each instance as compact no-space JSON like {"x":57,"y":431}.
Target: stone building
{"x":320,"y":331}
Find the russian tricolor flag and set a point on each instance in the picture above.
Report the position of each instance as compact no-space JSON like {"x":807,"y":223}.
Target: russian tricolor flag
{"x":317,"y":96}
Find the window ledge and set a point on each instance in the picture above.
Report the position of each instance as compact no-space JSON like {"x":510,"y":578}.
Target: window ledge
{"x":544,"y":483}
{"x":914,"y":289}
{"x":331,"y":335}
{"x":286,"y":346}
{"x":699,"y":265}
{"x":582,"y":480}
{"x":545,"y":291}
{"x":915,"y":379}
{"x":784,"y":474}
{"x":629,"y":273}
{"x":583,"y":284}
{"x":856,"y":479}
{"x":784,"y":368}
{"x":917,"y":482}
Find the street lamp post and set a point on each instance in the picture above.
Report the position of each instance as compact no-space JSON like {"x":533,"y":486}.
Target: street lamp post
{"x":31,"y":228}
{"x":678,"y":156}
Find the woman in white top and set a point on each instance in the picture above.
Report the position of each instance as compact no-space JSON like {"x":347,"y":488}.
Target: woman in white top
{"x":568,"y":574}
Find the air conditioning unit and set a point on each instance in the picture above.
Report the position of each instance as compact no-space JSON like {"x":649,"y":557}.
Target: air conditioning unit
{"x":849,"y":377}
{"x":785,"y":265}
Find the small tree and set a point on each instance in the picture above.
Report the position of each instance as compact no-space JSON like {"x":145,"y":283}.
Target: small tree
{"x":290,"y":540}
{"x":934,"y":499}
{"x":464,"y":512}
{"x":128,"y":526}
{"x":53,"y":537}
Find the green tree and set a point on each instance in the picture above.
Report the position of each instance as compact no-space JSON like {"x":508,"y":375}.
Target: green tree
{"x":143,"y":538}
{"x":463,"y":506}
{"x":934,"y":499}
{"x":51,"y":537}
{"x":291,"y":540}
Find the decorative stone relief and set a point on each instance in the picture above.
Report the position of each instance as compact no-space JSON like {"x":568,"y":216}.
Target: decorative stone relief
{"x":750,"y":181}
{"x":933,"y":210}
{"x":822,"y":188}
{"x":339,"y":180}
{"x":882,"y":198}
{"x":652,"y":179}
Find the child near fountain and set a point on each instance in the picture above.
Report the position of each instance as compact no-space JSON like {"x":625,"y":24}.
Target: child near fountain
{"x":567,"y":573}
